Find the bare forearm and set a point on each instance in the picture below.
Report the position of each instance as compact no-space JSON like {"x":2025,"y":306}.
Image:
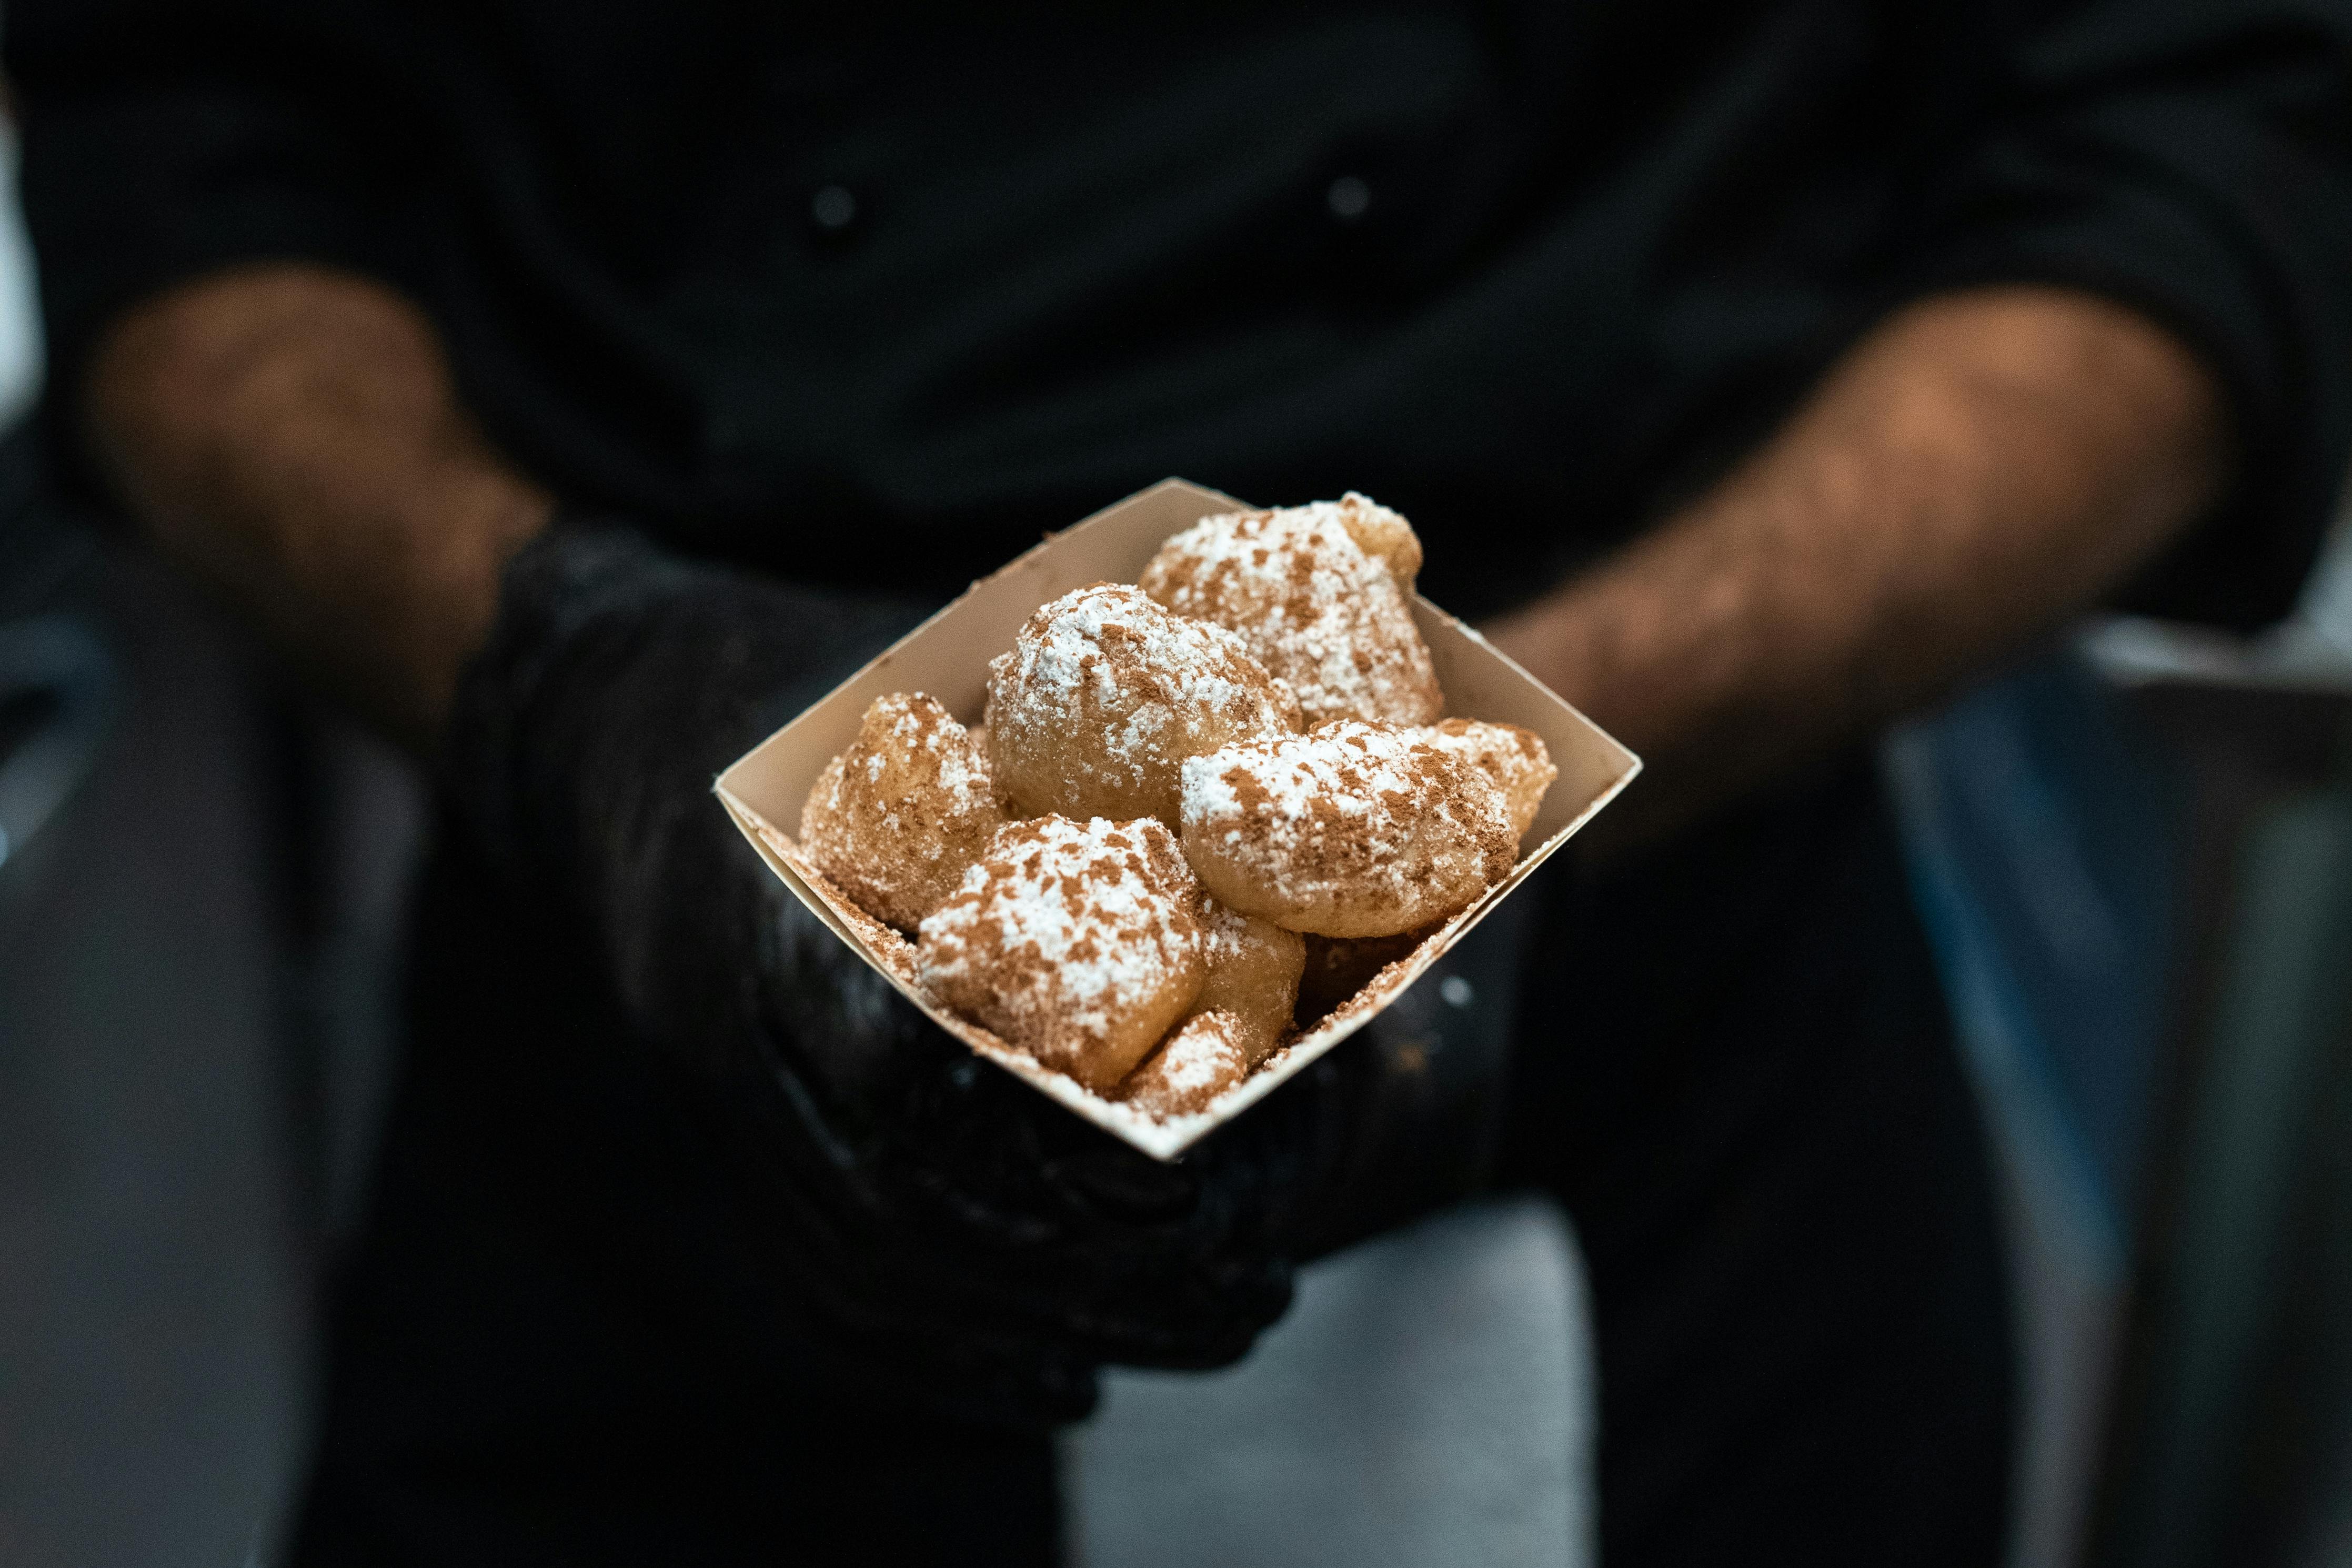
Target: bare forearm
{"x":1979,"y":469}
{"x":291,"y":435}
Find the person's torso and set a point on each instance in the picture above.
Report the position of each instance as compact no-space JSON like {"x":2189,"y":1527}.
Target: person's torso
{"x":878,"y":299}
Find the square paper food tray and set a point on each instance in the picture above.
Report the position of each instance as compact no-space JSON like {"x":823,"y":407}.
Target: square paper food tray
{"x":948,"y":657}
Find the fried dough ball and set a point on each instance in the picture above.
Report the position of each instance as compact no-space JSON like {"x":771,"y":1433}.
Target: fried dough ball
{"x":898,"y":818}
{"x":1353,"y":829}
{"x":1202,"y":1059}
{"x":1516,"y":759}
{"x":1326,"y":614}
{"x":1104,"y":696}
{"x":1253,"y":976}
{"x":1337,"y":967}
{"x":1079,"y":944}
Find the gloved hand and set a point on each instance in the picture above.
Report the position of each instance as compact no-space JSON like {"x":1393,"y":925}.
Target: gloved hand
{"x":962,"y":1232}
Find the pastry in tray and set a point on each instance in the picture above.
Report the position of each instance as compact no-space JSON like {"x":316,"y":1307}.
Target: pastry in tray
{"x":1078,"y":943}
{"x":1105,"y":694}
{"x":1322,"y":594}
{"x":1353,"y":829}
{"x":898,"y":818}
{"x":1198,"y":815}
{"x":1514,"y":759}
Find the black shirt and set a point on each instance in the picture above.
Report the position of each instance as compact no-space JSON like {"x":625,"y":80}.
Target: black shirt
{"x":867,"y":294}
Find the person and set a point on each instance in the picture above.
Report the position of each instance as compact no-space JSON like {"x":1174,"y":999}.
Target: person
{"x":580,"y":389}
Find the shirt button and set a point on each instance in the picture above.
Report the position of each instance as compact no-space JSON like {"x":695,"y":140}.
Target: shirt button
{"x":832,"y":210}
{"x":1350,"y":198}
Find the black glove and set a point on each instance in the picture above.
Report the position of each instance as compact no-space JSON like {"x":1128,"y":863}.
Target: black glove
{"x":964,"y":1237}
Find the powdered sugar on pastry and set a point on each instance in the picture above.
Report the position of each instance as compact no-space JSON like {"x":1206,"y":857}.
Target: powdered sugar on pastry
{"x":1319,"y":609}
{"x":1516,"y":759}
{"x":1353,"y":829}
{"x":1079,"y":944}
{"x":1253,"y":967}
{"x":897,"y":818}
{"x":1378,"y":530}
{"x":1105,"y":693}
{"x":1200,"y":1062}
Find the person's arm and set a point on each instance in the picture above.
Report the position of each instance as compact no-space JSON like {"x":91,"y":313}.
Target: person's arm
{"x":952,"y":1238}
{"x":1978,"y":468}
{"x":291,"y":435}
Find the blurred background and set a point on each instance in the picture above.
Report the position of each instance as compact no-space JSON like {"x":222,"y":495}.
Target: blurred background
{"x":2134,"y":851}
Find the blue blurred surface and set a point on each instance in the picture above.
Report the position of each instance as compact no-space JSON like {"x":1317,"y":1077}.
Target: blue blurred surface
{"x":2045,"y":834}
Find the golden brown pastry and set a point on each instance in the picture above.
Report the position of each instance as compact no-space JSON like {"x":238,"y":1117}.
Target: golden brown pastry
{"x":1200,"y":1061}
{"x":1328,"y":615}
{"x":1253,"y":976}
{"x":1353,"y":829}
{"x":1516,"y":759}
{"x":1104,"y":696}
{"x":898,"y":818}
{"x":1077,"y":944}
{"x":1380,"y":532}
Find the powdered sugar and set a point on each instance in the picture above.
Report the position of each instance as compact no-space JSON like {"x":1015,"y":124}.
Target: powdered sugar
{"x":898,"y":816}
{"x":1253,"y":967}
{"x":1354,"y":829}
{"x":1105,"y":692}
{"x":1321,"y":610}
{"x":1200,"y":1062}
{"x":1077,"y":944}
{"x":1377,"y":530}
{"x":1514,"y":758}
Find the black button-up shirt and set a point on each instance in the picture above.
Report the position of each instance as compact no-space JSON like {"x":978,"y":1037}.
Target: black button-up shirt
{"x":867,"y":294}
